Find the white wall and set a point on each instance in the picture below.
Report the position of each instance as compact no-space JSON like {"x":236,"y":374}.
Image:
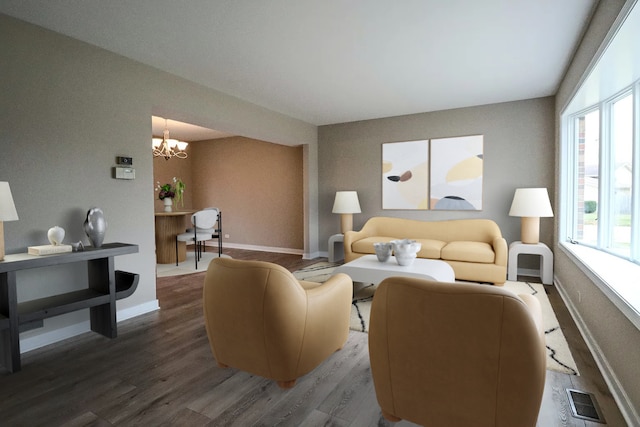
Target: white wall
{"x":67,"y":110}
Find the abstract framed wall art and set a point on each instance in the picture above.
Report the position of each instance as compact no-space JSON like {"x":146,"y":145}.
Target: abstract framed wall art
{"x":405,"y":175}
{"x":456,"y":173}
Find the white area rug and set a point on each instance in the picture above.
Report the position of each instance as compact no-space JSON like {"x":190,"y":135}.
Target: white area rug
{"x":559,"y":356}
{"x":189,"y":265}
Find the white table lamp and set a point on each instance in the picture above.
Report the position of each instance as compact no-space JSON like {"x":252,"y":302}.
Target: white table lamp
{"x":346,"y":204}
{"x":531,"y":204}
{"x":7,"y":212}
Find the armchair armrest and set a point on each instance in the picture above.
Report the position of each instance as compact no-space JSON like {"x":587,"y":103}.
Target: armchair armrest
{"x":533,"y":305}
{"x":326,"y":301}
{"x":328,"y":314}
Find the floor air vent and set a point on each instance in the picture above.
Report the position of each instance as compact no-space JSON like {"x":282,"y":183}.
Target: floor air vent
{"x":584,"y":406}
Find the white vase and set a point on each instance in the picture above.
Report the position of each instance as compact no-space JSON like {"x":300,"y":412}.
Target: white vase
{"x":406,"y":251}
{"x":56,"y":235}
{"x":168,"y":204}
{"x":383,"y":251}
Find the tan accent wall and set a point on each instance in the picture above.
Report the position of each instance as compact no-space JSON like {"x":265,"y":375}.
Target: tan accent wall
{"x":164,"y":171}
{"x":257,"y":185}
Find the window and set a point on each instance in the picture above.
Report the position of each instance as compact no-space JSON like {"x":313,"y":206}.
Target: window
{"x":603,"y":179}
{"x":599,"y":211}
{"x":588,"y":158}
{"x":621,"y":183}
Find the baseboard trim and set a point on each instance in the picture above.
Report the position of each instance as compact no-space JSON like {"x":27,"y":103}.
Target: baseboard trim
{"x":52,"y":337}
{"x":315,"y":255}
{"x":137,"y":310}
{"x":61,"y":334}
{"x":259,"y":248}
{"x":617,"y":391}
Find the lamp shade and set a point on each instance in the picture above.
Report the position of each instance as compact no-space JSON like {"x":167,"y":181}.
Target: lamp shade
{"x":346,"y":202}
{"x":531,"y":202}
{"x":7,"y":207}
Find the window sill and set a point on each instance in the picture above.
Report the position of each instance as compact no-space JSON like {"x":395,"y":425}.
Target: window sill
{"x":615,"y":277}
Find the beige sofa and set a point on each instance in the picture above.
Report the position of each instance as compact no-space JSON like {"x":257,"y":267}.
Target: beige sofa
{"x":474,"y":248}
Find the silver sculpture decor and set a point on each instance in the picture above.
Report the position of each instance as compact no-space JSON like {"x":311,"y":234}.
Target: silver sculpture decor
{"x":95,"y":226}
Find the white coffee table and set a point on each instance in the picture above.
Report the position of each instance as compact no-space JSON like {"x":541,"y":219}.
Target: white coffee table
{"x":368,"y":269}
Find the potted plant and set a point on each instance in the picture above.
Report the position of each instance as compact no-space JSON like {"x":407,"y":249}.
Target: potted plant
{"x":171,"y":193}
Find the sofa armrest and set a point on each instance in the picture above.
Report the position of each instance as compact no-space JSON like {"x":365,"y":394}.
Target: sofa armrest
{"x":349,"y":238}
{"x":501,"y":251}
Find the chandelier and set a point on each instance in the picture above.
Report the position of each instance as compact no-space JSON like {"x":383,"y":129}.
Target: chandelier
{"x":167,"y":147}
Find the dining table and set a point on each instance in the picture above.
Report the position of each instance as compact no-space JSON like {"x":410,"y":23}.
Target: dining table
{"x":168,"y":226}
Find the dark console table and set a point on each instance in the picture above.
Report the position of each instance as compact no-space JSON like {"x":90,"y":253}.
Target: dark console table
{"x":105,"y":286}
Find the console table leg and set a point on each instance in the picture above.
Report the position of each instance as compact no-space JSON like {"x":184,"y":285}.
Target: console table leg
{"x":102,"y":279}
{"x":9,"y":327}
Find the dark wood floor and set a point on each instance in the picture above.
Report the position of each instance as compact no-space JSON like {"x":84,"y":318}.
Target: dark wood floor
{"x":160,"y":371}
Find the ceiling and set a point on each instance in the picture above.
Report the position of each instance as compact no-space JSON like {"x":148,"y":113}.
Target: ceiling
{"x":184,"y":131}
{"x":336,"y":61}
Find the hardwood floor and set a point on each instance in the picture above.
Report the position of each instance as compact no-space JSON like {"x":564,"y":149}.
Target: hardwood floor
{"x":160,"y":371}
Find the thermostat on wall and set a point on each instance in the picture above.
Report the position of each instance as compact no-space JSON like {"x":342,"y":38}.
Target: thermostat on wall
{"x":122,"y":172}
{"x":125,"y":161}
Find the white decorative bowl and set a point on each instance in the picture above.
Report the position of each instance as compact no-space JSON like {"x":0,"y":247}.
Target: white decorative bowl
{"x":405,"y":259}
{"x":383,"y":251}
{"x":405,"y":251}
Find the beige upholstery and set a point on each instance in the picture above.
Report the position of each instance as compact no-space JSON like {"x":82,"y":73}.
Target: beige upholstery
{"x":260,"y":319}
{"x":474,"y":248}
{"x":445,"y":354}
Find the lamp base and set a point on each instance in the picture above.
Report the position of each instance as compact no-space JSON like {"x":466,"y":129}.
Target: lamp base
{"x":346,"y":222}
{"x":530,"y":229}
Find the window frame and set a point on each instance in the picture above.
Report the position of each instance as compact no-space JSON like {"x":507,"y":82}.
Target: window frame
{"x":611,"y":271}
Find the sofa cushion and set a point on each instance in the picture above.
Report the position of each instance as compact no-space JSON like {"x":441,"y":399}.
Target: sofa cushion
{"x":365,"y":246}
{"x":430,"y":248}
{"x":468,"y":252}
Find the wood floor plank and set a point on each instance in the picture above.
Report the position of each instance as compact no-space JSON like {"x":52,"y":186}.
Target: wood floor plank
{"x":555,"y":398}
{"x":317,"y":418}
{"x":249,"y":407}
{"x":229,"y":394}
{"x":87,"y":419}
{"x":347,"y":399}
{"x":312,"y":389}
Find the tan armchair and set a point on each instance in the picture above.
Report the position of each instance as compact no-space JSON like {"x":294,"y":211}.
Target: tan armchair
{"x":262,"y":320}
{"x":450,"y":354}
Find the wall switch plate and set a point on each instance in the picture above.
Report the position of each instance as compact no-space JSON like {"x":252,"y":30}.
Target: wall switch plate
{"x":122,"y":172}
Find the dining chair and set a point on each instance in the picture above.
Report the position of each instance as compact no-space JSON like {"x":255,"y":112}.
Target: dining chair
{"x":215,"y":231}
{"x":207,"y":225}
